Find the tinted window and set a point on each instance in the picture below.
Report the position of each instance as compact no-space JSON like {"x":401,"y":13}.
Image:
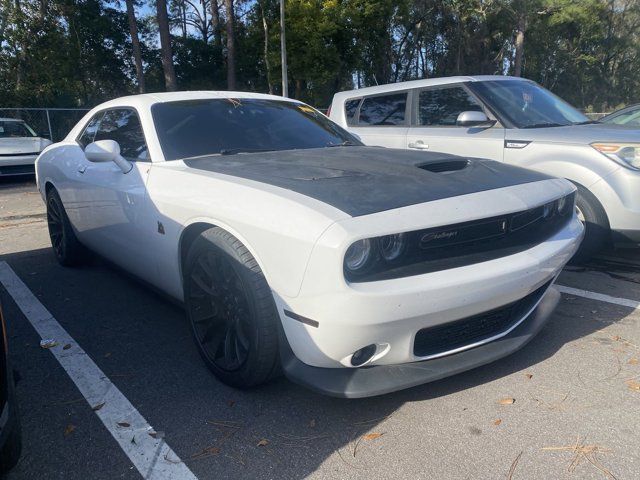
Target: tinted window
{"x":527,"y":104}
{"x":350,"y":110}
{"x":441,"y":106}
{"x":224,"y":126}
{"x":15,"y":129}
{"x":123,"y":126}
{"x":90,"y":130}
{"x":383,"y":110}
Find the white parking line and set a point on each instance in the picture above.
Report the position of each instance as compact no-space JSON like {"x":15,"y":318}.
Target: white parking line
{"x":153,"y":458}
{"x":625,"y":302}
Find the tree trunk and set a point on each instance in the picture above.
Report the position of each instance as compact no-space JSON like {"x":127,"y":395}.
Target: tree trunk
{"x":135,"y":43}
{"x":231,"y":47}
{"x":267,"y":64}
{"x":520,"y":30}
{"x":215,"y":23}
{"x":165,"y":46}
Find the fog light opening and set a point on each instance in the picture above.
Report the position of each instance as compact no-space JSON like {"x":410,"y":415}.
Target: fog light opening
{"x":362,"y":356}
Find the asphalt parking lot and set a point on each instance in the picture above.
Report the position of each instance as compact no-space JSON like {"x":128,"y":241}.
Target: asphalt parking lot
{"x":564,"y":407}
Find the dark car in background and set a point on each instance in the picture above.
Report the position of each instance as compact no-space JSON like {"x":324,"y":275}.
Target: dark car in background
{"x":10,"y":443}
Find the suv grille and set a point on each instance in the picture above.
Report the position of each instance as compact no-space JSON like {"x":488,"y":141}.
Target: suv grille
{"x":456,"y":334}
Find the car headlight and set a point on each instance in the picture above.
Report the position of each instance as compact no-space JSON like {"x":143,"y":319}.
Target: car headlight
{"x":358,"y":256}
{"x":626,"y":153}
{"x":392,"y":246}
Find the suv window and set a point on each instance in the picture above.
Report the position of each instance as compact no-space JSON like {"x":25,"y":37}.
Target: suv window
{"x":441,"y":106}
{"x":383,"y":110}
{"x":90,"y":130}
{"x":123,"y":126}
{"x":350,"y":110}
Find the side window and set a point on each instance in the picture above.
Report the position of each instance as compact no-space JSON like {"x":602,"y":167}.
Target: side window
{"x":123,"y":126}
{"x":383,"y":110}
{"x":441,"y":106}
{"x":90,"y":130}
{"x":350,"y":110}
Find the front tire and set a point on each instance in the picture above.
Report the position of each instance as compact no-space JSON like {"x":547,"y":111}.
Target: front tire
{"x":231,"y":310}
{"x":66,"y":247}
{"x":596,"y":223}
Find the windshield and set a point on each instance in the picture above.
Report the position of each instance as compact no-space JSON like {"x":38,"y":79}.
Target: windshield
{"x":225,"y":126}
{"x":13,"y":129}
{"x":526,"y":104}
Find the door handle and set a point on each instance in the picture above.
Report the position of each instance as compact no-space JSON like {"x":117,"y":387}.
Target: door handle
{"x":419,"y":145}
{"x":82,"y":168}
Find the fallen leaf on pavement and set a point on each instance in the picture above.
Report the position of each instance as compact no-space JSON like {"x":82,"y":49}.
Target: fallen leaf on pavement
{"x":633,"y":361}
{"x":155,"y":434}
{"x":633,"y":385}
{"x":528,"y":375}
{"x":312,"y":423}
{"x":205,"y":452}
{"x":97,"y":407}
{"x":231,"y":403}
{"x":124,"y":424}
{"x":497,"y":422}
{"x":507,"y":401}
{"x":263,"y":443}
{"x":372,"y":436}
{"x":67,"y":346}
{"x":70,"y":428}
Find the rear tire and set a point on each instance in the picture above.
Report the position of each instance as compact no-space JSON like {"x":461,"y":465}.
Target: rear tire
{"x":66,"y":247}
{"x":231,"y":310}
{"x":596,"y":223}
{"x":10,"y":453}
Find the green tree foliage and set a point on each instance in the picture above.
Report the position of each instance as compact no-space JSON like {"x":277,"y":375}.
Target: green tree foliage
{"x":79,"y":52}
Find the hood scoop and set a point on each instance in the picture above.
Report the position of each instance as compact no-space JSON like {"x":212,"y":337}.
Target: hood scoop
{"x":445,"y":166}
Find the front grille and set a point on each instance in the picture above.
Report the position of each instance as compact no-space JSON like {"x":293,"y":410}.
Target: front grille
{"x":459,"y":333}
{"x":468,"y":243}
{"x":17,"y":170}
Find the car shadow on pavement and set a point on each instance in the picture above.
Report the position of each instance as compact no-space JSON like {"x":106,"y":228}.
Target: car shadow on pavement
{"x":143,"y":343}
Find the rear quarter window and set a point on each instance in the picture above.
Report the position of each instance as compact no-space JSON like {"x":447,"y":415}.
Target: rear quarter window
{"x":350,"y":110}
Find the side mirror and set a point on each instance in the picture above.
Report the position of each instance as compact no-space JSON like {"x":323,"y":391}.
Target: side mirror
{"x":474,"y":119}
{"x":107,"y":151}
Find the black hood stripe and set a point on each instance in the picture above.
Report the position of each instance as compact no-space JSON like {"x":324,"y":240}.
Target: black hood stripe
{"x":365,"y":180}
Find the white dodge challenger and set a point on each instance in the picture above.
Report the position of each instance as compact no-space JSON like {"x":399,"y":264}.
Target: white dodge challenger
{"x":355,"y":270}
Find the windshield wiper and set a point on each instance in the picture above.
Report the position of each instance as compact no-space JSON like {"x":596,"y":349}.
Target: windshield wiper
{"x":586,"y":122}
{"x":346,"y":143}
{"x":543,"y":125}
{"x":233,"y":151}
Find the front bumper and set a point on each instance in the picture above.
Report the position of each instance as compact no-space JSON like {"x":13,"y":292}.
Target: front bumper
{"x":17,"y":164}
{"x":389,"y":313}
{"x":381,"y":379}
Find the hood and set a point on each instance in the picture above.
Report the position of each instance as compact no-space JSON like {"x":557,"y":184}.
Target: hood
{"x":580,"y":134}
{"x":365,"y":180}
{"x":21,"y":145}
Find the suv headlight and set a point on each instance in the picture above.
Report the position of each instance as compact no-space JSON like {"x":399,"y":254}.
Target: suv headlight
{"x":626,"y":153}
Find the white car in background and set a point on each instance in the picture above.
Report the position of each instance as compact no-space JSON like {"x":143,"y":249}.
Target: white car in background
{"x":515,"y":121}
{"x":19,"y":147}
{"x":293,"y":245}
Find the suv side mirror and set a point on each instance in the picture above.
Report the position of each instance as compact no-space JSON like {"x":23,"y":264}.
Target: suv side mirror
{"x":107,"y":151}
{"x":474,"y":119}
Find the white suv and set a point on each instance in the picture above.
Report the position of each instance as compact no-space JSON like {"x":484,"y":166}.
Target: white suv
{"x":515,"y":121}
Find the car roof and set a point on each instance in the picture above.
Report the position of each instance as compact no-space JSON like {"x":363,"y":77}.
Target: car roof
{"x":149,"y":99}
{"x":425,"y":82}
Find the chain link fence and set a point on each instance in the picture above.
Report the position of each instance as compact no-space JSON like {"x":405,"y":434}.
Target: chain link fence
{"x":53,"y":123}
